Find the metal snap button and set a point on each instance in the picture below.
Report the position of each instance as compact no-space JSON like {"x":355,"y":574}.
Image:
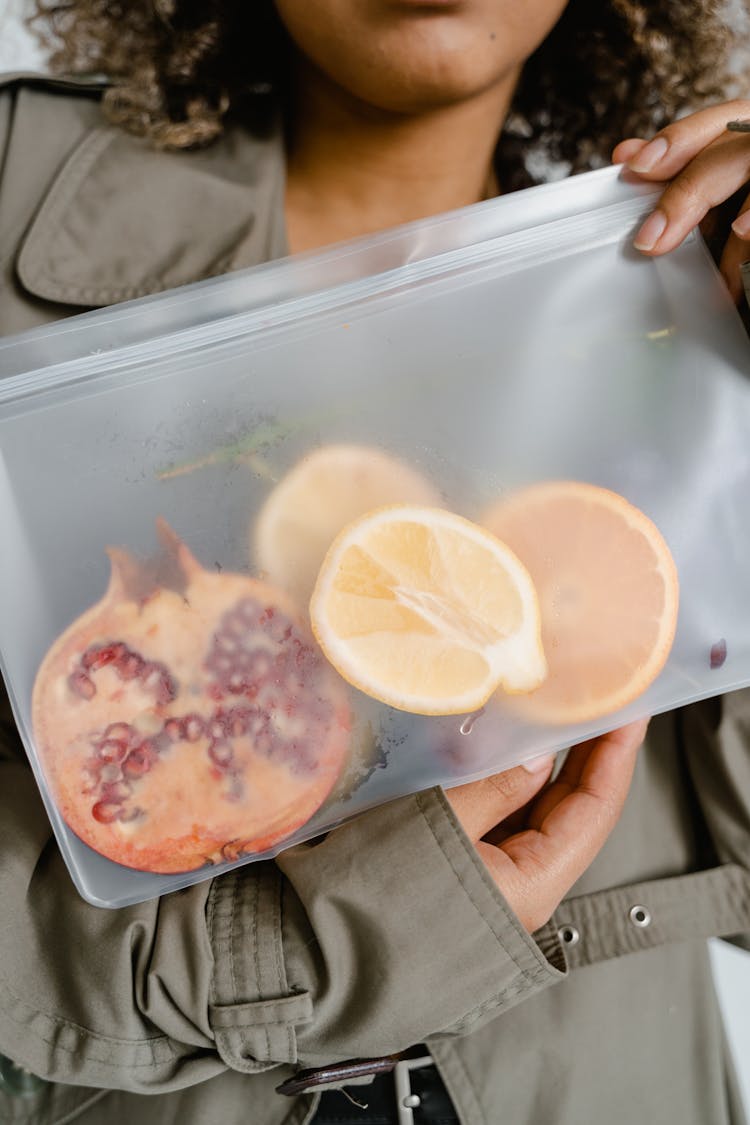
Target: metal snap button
{"x":17,"y":1081}
{"x":640,"y":916}
{"x":569,"y":935}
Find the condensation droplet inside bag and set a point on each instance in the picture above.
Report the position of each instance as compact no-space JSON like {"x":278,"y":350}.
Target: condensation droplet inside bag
{"x":467,"y":726}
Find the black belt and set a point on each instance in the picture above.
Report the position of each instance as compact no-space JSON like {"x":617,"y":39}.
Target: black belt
{"x":409,"y":1092}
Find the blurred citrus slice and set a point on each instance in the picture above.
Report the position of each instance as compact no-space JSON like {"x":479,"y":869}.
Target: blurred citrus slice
{"x":319,"y":496}
{"x":427,"y":612}
{"x":608,"y":593}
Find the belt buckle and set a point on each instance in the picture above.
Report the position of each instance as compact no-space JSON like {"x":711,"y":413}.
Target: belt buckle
{"x":406,"y":1101}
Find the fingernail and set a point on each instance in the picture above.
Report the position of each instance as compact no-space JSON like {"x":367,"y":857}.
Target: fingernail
{"x":539,"y":765}
{"x":741,"y":225}
{"x":649,"y":156}
{"x":651,"y":231}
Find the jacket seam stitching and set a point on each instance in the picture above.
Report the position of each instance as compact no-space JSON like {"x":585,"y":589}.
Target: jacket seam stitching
{"x":149,"y":1042}
{"x":495,"y":1001}
{"x":67,"y":183}
{"x":282,"y":983}
{"x":291,"y":1034}
{"x":495,"y":891}
{"x":30,"y":270}
{"x":232,"y":938}
{"x":526,"y":973}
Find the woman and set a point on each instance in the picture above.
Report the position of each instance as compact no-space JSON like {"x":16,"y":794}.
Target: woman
{"x":313,"y":124}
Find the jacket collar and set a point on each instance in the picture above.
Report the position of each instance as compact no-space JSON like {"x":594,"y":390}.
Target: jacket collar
{"x":122,"y":219}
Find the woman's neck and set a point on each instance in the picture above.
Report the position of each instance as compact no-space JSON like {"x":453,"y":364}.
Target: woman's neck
{"x":353,"y":169}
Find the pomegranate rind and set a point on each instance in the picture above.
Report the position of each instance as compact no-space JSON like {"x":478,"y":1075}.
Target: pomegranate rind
{"x":252,"y":765}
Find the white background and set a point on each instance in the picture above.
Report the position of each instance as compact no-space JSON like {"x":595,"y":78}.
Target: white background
{"x":18,"y":51}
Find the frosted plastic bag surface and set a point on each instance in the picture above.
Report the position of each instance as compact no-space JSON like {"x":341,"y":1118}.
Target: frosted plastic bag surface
{"x":515,"y":342}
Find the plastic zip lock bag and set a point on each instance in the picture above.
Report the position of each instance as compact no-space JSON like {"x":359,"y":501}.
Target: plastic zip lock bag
{"x":286,"y":544}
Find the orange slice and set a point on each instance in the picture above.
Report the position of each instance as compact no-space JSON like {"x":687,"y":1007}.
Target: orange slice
{"x":427,"y":612}
{"x":324,"y":492}
{"x":608,"y":593}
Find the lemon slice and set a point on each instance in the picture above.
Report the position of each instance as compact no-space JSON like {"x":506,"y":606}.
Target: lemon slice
{"x":319,"y":496}
{"x":427,"y":612}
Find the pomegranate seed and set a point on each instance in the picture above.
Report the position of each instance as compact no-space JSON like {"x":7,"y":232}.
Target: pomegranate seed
{"x":221,"y":754}
{"x":112,"y":750}
{"x":105,"y":812}
{"x":156,"y":678}
{"x":166,"y":690}
{"x":138,"y":762}
{"x":99,"y":655}
{"x":194,"y":727}
{"x":116,"y":792}
{"x":120,"y":732}
{"x":238,"y":722}
{"x":175,"y":729}
{"x":110,"y":772}
{"x":130,"y":666}
{"x":718,"y":654}
{"x":82,"y":685}
{"x":150,"y":675}
{"x":132,"y":814}
{"x":218,"y":727}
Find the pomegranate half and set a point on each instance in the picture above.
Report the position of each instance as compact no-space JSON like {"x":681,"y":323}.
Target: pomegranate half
{"x":188,"y":717}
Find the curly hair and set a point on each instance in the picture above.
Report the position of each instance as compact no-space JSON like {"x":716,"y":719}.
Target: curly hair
{"x":609,"y":69}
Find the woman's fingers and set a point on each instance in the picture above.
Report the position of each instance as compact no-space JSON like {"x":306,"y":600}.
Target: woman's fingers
{"x":706,"y":164}
{"x":736,"y":251}
{"x":569,"y":824}
{"x":712,"y":176}
{"x":480,"y":805}
{"x":673,"y":147}
{"x":599,"y":770}
{"x":626,"y":150}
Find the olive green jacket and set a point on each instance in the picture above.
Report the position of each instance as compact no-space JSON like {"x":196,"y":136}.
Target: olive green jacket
{"x":389,"y":932}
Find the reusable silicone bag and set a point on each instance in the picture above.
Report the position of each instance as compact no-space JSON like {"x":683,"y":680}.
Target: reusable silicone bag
{"x":522,"y":340}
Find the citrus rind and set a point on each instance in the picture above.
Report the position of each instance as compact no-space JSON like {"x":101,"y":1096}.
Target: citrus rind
{"x":436,"y":641}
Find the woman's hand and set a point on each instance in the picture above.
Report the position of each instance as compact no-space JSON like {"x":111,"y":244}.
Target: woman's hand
{"x":536,"y":839}
{"x":706,"y":165}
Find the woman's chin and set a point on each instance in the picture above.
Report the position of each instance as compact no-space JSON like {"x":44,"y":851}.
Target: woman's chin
{"x":415,"y":84}
{"x":410,"y":56}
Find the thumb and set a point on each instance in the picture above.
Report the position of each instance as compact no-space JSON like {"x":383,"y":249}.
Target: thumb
{"x":481,"y":805}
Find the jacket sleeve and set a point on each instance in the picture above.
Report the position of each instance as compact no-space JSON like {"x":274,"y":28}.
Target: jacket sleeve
{"x":716,"y":738}
{"x":383,"y":934}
